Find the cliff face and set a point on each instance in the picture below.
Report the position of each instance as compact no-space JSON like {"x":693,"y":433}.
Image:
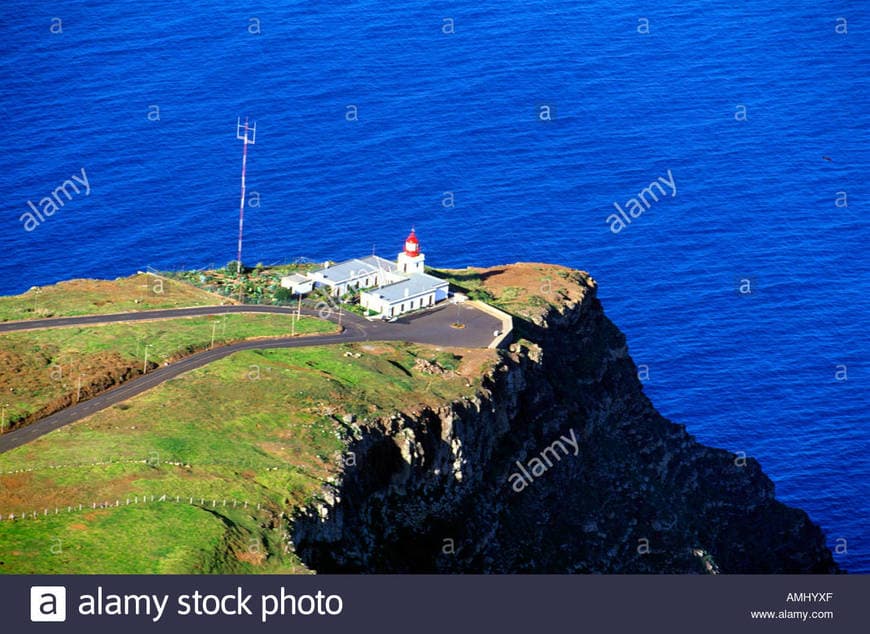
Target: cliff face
{"x":559,"y":464}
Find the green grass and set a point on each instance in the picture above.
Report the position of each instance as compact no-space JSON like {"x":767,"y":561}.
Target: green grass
{"x":99,"y":297}
{"x":68,"y":543}
{"x":40,"y":369}
{"x":261,"y":426}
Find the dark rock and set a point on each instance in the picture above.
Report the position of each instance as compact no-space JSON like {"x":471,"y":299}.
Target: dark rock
{"x":432,"y":492}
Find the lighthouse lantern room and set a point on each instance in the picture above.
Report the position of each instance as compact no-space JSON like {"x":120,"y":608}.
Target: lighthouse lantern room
{"x":411,"y":259}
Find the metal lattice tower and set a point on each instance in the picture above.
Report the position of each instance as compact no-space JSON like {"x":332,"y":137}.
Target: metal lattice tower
{"x":242,"y":133}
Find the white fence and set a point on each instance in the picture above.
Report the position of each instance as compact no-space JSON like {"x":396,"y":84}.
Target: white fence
{"x":135,"y":500}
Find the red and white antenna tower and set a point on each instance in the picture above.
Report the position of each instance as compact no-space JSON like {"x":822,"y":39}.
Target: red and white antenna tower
{"x":242,"y":134}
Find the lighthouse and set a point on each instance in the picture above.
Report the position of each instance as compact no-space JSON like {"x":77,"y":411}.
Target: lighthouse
{"x":386,"y":288}
{"x":410,"y":260}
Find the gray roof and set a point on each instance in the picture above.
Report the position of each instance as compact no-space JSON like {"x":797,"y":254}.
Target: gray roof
{"x":350,"y":270}
{"x":416,"y":284}
{"x":295,"y":278}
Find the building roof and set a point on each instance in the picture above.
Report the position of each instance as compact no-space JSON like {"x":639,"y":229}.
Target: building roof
{"x":415,"y":284}
{"x":354,"y":269}
{"x":295,"y":278}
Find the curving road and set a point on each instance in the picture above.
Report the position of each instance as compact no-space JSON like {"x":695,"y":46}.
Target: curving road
{"x":147,"y":315}
{"x":432,"y":327}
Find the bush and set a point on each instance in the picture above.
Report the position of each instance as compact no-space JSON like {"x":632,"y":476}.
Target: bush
{"x":232,"y":267}
{"x":283,"y":295}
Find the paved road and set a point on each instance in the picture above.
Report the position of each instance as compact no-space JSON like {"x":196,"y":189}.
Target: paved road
{"x":145,"y":315}
{"x":431,"y":327}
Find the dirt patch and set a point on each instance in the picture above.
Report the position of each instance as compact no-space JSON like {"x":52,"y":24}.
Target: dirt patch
{"x":246,"y":556}
{"x":544,"y":280}
{"x":375,"y":349}
{"x":527,"y":289}
{"x":14,"y":491}
{"x":28,"y":372}
{"x":473,"y":359}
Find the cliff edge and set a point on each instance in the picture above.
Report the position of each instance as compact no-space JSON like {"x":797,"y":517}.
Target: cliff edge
{"x":558,"y":464}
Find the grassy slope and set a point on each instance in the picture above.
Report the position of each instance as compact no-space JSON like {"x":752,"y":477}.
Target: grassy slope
{"x":40,"y":369}
{"x":93,"y":297}
{"x":257,"y":426}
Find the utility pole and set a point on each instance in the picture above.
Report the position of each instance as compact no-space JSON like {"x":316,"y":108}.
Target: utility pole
{"x":145,"y":365}
{"x":79,"y":391}
{"x":213,"y":331}
{"x":242,"y":133}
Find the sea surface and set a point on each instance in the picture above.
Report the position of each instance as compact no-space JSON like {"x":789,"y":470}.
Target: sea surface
{"x":745,"y":294}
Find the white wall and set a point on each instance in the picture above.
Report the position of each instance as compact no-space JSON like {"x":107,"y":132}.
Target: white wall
{"x":372,"y":302}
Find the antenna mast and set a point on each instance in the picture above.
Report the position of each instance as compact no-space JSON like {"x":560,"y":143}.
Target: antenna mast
{"x":242,"y":134}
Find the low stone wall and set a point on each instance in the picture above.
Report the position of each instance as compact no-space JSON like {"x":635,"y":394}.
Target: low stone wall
{"x":507,"y":323}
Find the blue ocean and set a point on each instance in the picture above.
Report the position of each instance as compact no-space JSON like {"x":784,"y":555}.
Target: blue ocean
{"x":502,"y":131}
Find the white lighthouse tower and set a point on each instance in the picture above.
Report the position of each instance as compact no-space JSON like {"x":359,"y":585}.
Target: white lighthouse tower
{"x":411,"y":259}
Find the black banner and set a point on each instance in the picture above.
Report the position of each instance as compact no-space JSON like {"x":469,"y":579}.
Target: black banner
{"x":419,"y":604}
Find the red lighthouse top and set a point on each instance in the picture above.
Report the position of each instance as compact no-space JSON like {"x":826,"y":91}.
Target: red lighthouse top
{"x":412,"y":245}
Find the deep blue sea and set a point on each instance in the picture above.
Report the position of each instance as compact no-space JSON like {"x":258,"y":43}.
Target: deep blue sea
{"x":741,"y":101}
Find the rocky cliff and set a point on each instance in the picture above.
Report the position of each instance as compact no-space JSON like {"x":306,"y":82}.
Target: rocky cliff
{"x":560,"y":463}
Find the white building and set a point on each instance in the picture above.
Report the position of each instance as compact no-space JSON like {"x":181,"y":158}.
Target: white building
{"x":354,"y":274}
{"x":418,"y":290}
{"x":386,"y":288}
{"x":411,"y":288}
{"x":298,"y":284}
